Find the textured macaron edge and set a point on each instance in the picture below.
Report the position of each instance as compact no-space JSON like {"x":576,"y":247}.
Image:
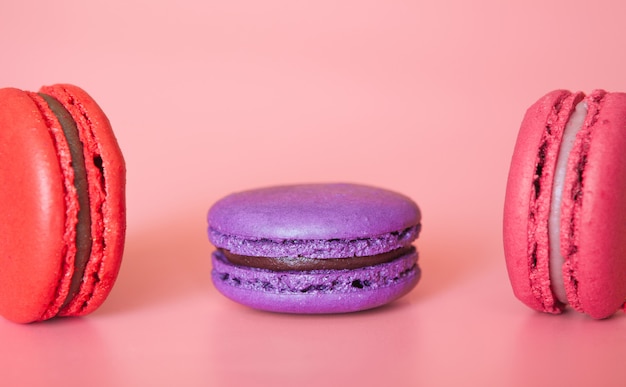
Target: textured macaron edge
{"x":315,"y":248}
{"x":528,"y":197}
{"x":106,"y":173}
{"x":593,"y":223}
{"x":316,"y":291}
{"x":71,"y":207}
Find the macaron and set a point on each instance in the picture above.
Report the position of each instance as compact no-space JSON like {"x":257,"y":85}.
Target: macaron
{"x":62,"y":206}
{"x":314,"y":248}
{"x":565,"y":205}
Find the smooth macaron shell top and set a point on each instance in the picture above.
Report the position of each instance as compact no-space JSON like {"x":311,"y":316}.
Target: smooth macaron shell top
{"x":106,"y":172}
{"x":38,"y":205}
{"x":32,"y":233}
{"x":314,"y":220}
{"x":595,"y":273}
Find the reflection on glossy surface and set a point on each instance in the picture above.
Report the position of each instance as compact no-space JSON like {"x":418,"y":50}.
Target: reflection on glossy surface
{"x":55,"y":353}
{"x":279,"y":349}
{"x":571,"y":349}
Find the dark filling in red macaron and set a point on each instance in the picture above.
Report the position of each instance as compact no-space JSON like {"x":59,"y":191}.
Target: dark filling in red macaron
{"x":83,"y":227}
{"x":304,"y":264}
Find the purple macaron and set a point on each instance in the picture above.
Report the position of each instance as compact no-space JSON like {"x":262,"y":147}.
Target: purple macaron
{"x":314,"y":248}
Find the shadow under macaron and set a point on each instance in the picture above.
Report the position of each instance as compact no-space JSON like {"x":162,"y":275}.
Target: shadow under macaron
{"x":342,"y":346}
{"x":447,"y":261}
{"x":167,"y":261}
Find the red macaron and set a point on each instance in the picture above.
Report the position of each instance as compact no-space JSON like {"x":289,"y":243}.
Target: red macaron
{"x":565,"y":205}
{"x":62,"y":204}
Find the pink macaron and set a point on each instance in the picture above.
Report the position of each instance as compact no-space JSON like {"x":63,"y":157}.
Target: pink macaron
{"x":565,"y":206}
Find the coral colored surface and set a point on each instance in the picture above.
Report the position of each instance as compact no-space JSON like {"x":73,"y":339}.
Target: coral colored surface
{"x":210,"y":97}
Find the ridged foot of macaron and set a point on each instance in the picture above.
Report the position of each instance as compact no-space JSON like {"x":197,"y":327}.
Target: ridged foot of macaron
{"x":62,"y":206}
{"x":316,"y":291}
{"x":565,"y":212}
{"x":315,"y":248}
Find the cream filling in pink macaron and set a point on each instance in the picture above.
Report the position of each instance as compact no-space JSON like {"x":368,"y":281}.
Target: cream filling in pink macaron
{"x":557,"y":260}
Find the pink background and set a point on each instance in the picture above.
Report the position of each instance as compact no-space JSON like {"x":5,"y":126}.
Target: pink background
{"x":211,"y":97}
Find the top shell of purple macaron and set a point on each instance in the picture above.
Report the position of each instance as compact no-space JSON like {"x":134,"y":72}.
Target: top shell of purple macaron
{"x":314,"y":220}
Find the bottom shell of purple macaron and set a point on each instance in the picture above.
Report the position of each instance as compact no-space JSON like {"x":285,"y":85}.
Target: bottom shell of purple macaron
{"x":316,"y":291}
